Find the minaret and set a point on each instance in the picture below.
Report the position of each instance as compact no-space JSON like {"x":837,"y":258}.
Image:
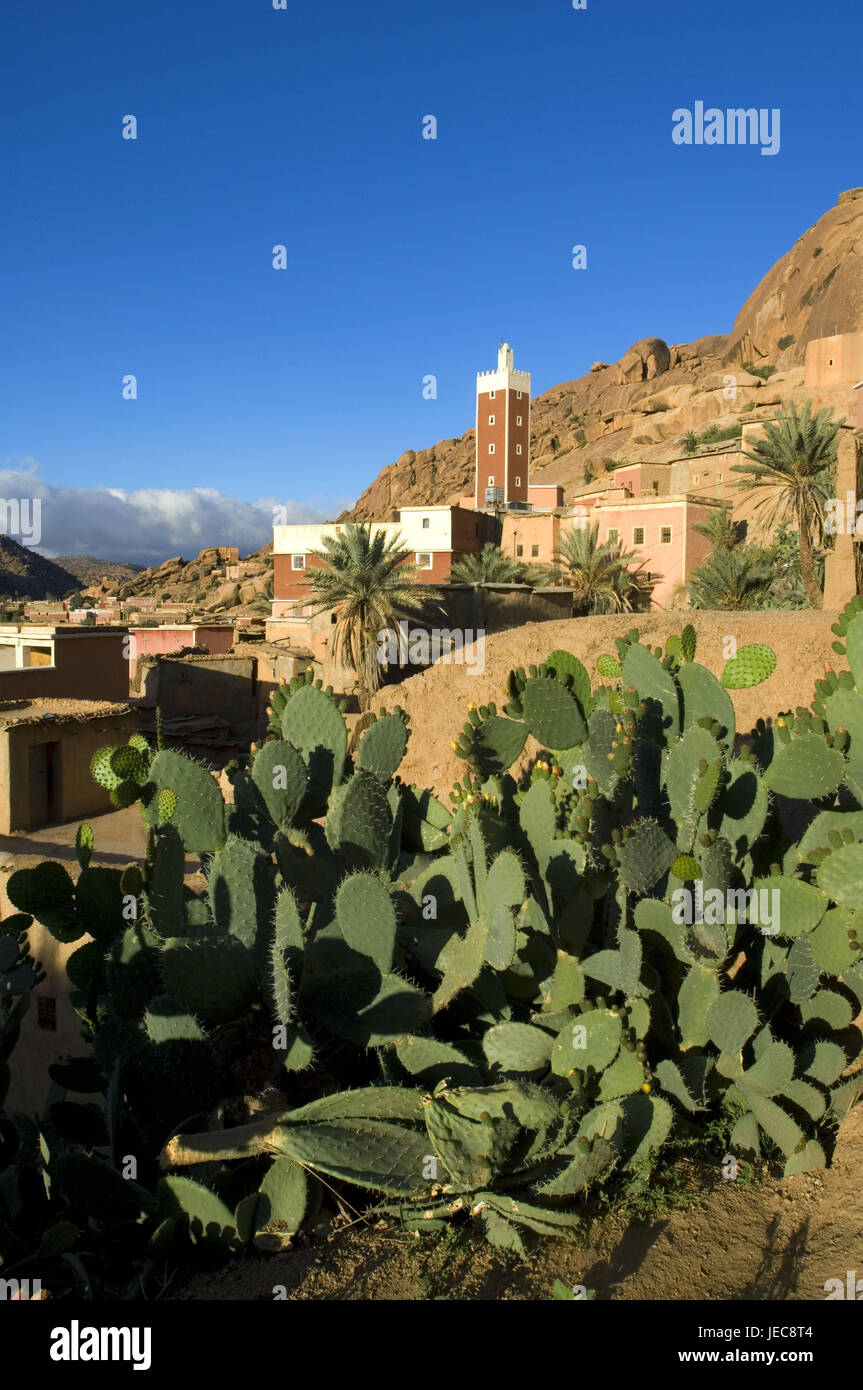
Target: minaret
{"x":502,"y":434}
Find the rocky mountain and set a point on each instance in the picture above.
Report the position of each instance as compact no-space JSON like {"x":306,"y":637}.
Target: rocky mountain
{"x":639,"y":408}
{"x":202,"y":584}
{"x":24,"y":573}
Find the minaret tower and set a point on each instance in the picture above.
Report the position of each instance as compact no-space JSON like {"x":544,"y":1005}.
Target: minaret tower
{"x":502,"y":434}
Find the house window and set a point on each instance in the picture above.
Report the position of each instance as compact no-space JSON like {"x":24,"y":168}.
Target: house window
{"x":518,"y":482}
{"x":719,"y":477}
{"x":491,"y":448}
{"x":697,"y":478}
{"x":518,"y":448}
{"x":426,"y":523}
{"x":613,"y":535}
{"x":829,"y":361}
{"x":518,"y":419}
{"x":298,"y":562}
{"x":46,"y":1012}
{"x":519,"y":550}
{"x":334,"y":618}
{"x":424,"y":560}
{"x":491,"y":419}
{"x":665,"y":535}
{"x":638,"y":535}
{"x":534,"y":550}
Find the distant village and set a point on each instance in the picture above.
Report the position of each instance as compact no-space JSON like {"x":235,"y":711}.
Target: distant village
{"x":74,"y":669}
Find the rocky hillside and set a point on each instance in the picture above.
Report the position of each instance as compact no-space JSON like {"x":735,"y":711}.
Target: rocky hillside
{"x":640,"y":407}
{"x":24,"y":573}
{"x":91,"y":571}
{"x":201,"y":584}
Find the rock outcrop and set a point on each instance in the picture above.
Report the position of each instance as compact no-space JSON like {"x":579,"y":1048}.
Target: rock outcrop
{"x":642,"y":406}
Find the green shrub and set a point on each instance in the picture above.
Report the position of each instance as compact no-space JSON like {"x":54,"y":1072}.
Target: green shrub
{"x":786,"y":341}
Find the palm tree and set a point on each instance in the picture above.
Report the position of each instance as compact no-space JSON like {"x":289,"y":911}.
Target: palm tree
{"x":732,"y":579}
{"x":366,"y":581}
{"x":720,"y":530}
{"x":792,"y":470}
{"x":691,"y":442}
{"x":601,"y":575}
{"x":490,"y":566}
{"x":264,"y":602}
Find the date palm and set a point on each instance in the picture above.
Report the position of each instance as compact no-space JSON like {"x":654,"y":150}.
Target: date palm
{"x":604,"y":578}
{"x":732,"y":579}
{"x":366,"y":582}
{"x":791,"y":476}
{"x":720,"y":530}
{"x":489,"y":566}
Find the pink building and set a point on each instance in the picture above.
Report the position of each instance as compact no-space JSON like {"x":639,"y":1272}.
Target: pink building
{"x":661,"y":530}
{"x":545,"y":496}
{"x":218,"y":638}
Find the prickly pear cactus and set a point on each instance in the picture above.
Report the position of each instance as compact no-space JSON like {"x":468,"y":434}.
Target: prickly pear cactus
{"x":616,"y":932}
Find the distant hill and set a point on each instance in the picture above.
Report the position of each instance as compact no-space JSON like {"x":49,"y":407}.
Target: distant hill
{"x":24,"y":573}
{"x":91,"y":570}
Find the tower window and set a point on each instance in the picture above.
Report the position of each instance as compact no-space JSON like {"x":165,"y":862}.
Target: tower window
{"x":426,"y":523}
{"x":518,"y":419}
{"x":665,"y":535}
{"x":518,"y":448}
{"x":46,"y":1012}
{"x":491,"y":448}
{"x":638,"y":535}
{"x":491,"y":419}
{"x":423,"y":560}
{"x":518,"y":482}
{"x":518,"y":395}
{"x":491,"y":480}
{"x":298,"y":562}
{"x":829,"y":361}
{"x":534,"y":550}
{"x":491,"y":395}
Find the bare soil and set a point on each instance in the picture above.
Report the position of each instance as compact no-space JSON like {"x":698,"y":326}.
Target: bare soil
{"x":437,"y":699}
{"x":762,"y":1239}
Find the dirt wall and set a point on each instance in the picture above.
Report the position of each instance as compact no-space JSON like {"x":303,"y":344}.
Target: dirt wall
{"x":437,"y":699}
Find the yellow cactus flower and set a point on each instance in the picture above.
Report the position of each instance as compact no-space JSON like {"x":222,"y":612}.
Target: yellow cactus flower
{"x":471,"y":706}
{"x":647,"y":1088}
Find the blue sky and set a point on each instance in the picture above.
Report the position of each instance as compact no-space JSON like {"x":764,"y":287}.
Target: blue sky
{"x":406,"y":257}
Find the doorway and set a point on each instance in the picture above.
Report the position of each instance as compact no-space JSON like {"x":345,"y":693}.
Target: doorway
{"x":44,"y":778}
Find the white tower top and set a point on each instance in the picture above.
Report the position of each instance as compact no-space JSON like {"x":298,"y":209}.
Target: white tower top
{"x":505,"y":377}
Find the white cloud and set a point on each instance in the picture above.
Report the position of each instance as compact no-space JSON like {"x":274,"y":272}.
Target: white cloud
{"x":146,"y":525}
